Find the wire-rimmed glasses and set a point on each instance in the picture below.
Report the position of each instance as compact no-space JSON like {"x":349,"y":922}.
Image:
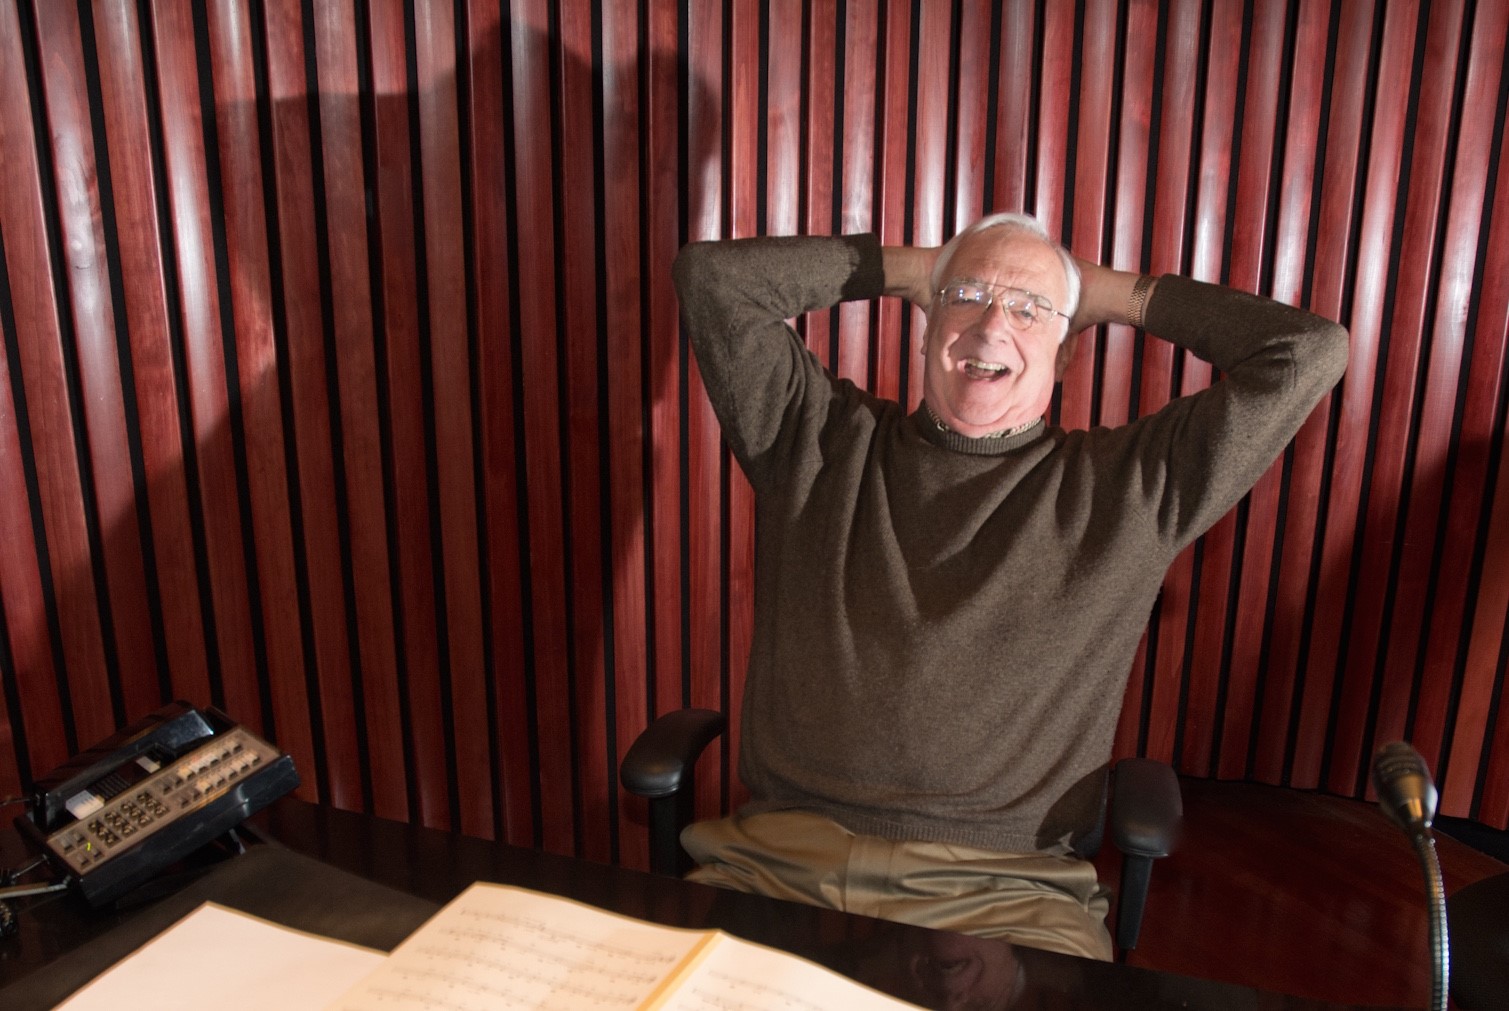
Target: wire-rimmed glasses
{"x":967,"y":300}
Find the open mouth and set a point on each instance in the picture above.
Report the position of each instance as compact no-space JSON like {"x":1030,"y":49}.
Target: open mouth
{"x":988,"y":372}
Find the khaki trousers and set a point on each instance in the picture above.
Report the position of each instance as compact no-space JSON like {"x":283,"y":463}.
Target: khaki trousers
{"x":1027,"y":898}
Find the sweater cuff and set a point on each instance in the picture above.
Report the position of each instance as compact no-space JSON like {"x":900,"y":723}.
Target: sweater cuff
{"x":1187,"y":313}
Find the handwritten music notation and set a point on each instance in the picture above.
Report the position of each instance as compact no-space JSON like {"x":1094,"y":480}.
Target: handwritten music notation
{"x":508,"y":948}
{"x":498,"y":947}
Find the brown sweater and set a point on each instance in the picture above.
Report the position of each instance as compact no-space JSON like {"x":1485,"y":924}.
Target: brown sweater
{"x":944,"y":626}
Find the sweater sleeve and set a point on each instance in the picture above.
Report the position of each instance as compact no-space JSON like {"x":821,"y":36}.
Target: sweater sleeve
{"x":1201,"y":453}
{"x":736,"y":297}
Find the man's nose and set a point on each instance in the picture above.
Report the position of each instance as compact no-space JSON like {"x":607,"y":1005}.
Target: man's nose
{"x":993,"y":320}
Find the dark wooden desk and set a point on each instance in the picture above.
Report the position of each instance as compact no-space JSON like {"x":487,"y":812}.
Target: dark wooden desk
{"x":372,"y":881}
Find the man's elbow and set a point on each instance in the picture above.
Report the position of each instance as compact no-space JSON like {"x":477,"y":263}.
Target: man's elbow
{"x":695,"y":262}
{"x":1333,"y":351}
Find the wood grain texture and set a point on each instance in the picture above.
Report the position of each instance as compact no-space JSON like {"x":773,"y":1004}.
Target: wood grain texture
{"x":343,"y":384}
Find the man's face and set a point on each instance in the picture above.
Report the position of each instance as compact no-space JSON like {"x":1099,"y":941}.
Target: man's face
{"x":982,"y":374}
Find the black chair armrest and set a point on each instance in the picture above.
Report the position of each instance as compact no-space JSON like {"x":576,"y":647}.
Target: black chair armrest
{"x":661,"y":765}
{"x":1146,"y":809}
{"x":662,"y":757}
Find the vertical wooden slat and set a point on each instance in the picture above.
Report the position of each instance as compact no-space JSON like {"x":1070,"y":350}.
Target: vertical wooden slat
{"x":534,"y":199}
{"x":929,"y":133}
{"x":1334,"y":251}
{"x":307,"y":370}
{"x":815,"y":179}
{"x":1376,"y":703}
{"x":624,"y":121}
{"x":491,"y":296}
{"x":450,"y":365}
{"x":1248,"y":247}
{"x":1387,"y":138}
{"x":1134,"y":140}
{"x":260,"y":419}
{"x":119,"y":43}
{"x":663,"y":145}
{"x":861,"y":34}
{"x":893,"y":87}
{"x":1480,"y":447}
{"x":212,"y":472}
{"x":1461,"y":486}
{"x":46,"y":723}
{"x":351,"y":312}
{"x":1307,"y":457}
{"x":782,"y":113}
{"x":1133,"y":133}
{"x":1441,"y":344}
{"x":1092,"y":163}
{"x":1054,"y":81}
{"x":1201,"y":711}
{"x":64,"y":559}
{"x":126,"y":624}
{"x":402,"y":407}
{"x":930,"y":136}
{"x":971,"y":82}
{"x":1015,"y":117}
{"x":578,"y":319}
{"x":713,"y":139}
{"x":1170,"y":208}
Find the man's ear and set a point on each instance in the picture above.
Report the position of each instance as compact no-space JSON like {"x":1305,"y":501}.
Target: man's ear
{"x":1066,"y":352}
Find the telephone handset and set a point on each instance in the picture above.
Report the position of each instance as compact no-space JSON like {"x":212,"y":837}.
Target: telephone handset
{"x":150,"y":795}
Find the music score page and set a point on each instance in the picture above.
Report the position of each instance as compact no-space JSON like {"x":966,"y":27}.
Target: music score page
{"x":496,"y":946}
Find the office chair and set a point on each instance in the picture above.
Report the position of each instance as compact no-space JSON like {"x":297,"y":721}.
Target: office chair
{"x":1145,"y":807}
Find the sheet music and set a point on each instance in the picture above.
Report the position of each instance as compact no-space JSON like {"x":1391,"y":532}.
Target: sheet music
{"x":498,"y":947}
{"x":735,"y":975}
{"x":493,"y":947}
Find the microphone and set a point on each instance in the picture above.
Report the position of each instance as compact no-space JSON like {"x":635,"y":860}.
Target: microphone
{"x":1407,"y":795}
{"x":1405,"y":790}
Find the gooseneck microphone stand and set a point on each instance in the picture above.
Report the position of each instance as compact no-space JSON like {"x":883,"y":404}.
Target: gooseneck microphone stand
{"x":1407,"y":795}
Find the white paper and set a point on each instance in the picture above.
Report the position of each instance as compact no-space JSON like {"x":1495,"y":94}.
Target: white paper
{"x":739,"y":976}
{"x":495,"y":946}
{"x":499,"y":947}
{"x":225,"y":960}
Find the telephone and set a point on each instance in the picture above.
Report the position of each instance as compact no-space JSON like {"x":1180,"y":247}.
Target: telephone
{"x":150,"y":795}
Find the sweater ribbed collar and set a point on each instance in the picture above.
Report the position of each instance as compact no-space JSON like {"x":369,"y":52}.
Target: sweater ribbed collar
{"x":939,"y":434}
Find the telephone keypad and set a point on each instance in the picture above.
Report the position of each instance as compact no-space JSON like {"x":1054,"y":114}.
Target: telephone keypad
{"x":178,"y":788}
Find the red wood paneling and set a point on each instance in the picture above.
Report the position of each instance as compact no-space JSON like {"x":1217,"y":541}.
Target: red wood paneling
{"x":1259,"y":137}
{"x":1306,"y":458}
{"x":254,"y":424}
{"x":623,"y":69}
{"x":400,"y":412}
{"x":534,"y":198}
{"x":154,"y":374}
{"x":351,"y":320}
{"x":343,"y":386}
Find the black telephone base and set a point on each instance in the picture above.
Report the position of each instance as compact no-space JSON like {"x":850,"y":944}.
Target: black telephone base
{"x":152,"y":795}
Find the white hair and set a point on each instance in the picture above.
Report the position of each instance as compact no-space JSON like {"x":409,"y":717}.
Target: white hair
{"x":1015,"y":222}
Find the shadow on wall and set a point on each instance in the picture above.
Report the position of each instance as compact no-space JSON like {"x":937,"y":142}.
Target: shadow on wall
{"x":395,"y":435}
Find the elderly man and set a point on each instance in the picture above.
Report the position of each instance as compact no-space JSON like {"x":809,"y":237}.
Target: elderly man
{"x":947,"y":602}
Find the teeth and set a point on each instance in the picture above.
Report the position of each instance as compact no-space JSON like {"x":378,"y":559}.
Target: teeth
{"x":988,"y":366}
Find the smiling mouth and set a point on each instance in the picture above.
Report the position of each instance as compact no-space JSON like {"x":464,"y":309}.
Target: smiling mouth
{"x":988,"y":372}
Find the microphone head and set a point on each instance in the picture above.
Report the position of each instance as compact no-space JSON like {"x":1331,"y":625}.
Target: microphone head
{"x":1405,"y":791}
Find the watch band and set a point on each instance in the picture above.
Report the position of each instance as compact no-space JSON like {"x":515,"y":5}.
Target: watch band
{"x":1137,"y":304}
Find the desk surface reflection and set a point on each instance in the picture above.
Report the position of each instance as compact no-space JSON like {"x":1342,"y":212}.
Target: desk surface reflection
{"x":396,"y":875}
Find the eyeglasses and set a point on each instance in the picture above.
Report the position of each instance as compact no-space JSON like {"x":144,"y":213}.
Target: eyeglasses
{"x":967,"y":301}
